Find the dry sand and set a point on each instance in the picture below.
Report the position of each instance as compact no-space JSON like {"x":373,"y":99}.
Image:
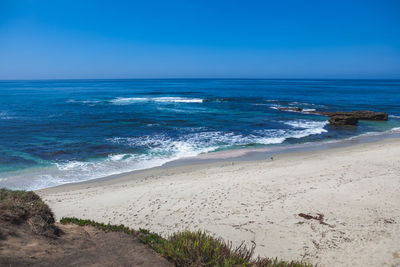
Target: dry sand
{"x":77,"y":246}
{"x":355,"y":189}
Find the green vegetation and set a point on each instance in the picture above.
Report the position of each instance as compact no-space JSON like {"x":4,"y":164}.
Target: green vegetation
{"x":193,"y":248}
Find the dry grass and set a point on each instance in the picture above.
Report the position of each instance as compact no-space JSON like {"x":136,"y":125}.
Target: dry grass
{"x":25,"y":209}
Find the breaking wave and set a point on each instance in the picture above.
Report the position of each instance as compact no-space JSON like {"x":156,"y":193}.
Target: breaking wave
{"x":161,"y":149}
{"x":131,"y":100}
{"x":158,"y":149}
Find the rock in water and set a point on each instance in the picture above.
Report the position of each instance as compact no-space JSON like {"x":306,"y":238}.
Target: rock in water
{"x":291,"y":109}
{"x":343,"y":120}
{"x":370,"y":115}
{"x":358,"y":114}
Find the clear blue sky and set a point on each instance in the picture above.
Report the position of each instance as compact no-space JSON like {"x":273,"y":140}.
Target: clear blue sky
{"x":189,"y":38}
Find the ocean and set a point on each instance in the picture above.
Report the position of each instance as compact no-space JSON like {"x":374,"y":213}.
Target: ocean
{"x":54,"y":132}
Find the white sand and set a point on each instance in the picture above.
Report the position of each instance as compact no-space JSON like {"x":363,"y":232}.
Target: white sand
{"x":356,"y":188}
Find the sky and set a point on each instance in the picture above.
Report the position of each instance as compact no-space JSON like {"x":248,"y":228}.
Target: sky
{"x":47,"y":39}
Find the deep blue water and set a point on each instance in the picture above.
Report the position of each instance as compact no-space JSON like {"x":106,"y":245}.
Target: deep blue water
{"x":55,"y":132}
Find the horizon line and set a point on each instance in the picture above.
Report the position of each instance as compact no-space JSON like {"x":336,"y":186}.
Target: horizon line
{"x":188,"y":78}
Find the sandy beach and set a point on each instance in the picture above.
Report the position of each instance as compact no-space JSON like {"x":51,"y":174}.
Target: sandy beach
{"x":334,"y":207}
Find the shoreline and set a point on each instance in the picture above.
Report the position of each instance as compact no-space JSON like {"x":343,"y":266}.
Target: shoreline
{"x":354,"y":188}
{"x":251,"y":154}
{"x":261,"y":152}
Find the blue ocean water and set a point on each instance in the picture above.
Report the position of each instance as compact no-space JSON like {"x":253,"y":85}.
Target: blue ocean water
{"x":62,"y":131}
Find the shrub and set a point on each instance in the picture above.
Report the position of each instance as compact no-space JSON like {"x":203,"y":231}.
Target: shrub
{"x":199,"y":249}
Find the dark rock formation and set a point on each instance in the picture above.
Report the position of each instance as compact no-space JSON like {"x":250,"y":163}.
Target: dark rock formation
{"x":291,"y":109}
{"x":358,"y":114}
{"x":352,"y":117}
{"x":370,"y":115}
{"x":343,"y":120}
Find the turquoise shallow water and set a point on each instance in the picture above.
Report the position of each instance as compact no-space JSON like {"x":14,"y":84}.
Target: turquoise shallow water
{"x":55,"y":132}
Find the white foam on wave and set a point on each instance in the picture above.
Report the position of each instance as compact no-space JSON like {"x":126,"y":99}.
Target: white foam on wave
{"x":306,"y":124}
{"x":307,"y":132}
{"x":277,"y":107}
{"x":131,"y":100}
{"x":305,"y":104}
{"x":270,"y":140}
{"x":78,"y":171}
{"x":394,"y":116}
{"x":83,"y":101}
{"x":300,"y":129}
{"x":306,"y":107}
{"x":178,"y":99}
{"x":127,"y":100}
{"x":4,"y":116}
{"x":163,"y":146}
{"x":159,"y":149}
{"x":192,"y":144}
{"x":303,"y":128}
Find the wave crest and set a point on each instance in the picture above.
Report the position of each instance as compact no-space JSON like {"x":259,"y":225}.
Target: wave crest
{"x":131,"y":100}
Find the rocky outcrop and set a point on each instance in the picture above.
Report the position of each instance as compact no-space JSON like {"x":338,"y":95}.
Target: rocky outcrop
{"x":343,"y":120}
{"x":370,"y":115}
{"x":358,"y":114}
{"x":290,"y":109}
